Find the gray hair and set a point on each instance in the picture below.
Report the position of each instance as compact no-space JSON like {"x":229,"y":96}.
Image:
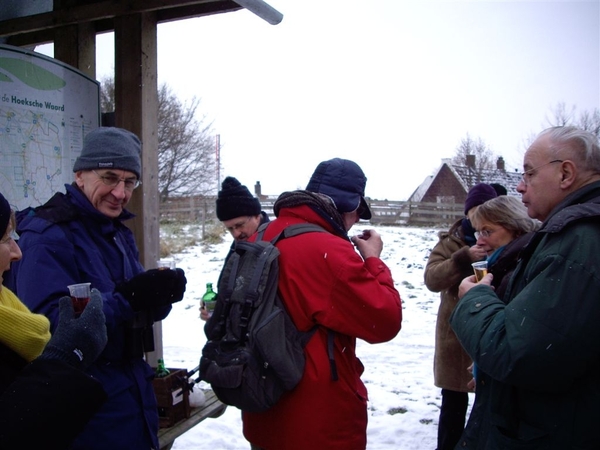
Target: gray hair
{"x":576,"y":144}
{"x":506,"y":211}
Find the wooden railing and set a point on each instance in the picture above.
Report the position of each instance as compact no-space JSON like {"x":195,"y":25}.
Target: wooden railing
{"x":385,"y":212}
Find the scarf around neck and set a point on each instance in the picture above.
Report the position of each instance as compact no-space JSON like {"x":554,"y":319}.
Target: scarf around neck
{"x":320,"y":203}
{"x":22,"y":331}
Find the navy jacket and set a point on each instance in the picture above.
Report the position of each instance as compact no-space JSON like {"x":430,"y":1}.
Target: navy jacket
{"x":68,"y":242}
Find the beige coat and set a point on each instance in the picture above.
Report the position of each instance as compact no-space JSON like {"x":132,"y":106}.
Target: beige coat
{"x":449,"y":262}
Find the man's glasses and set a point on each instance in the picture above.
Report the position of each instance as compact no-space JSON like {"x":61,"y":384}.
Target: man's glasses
{"x":239,"y":225}
{"x":113,"y":180}
{"x":528,"y":174}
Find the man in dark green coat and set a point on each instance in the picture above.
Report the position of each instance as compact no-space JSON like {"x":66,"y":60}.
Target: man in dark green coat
{"x":542,"y":348}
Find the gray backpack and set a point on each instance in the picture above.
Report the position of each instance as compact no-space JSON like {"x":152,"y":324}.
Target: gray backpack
{"x":254,"y":353}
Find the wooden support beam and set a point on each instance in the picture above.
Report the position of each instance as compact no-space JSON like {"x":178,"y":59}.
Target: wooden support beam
{"x":136,"y":109}
{"x":110,"y":9}
{"x":76,"y":46}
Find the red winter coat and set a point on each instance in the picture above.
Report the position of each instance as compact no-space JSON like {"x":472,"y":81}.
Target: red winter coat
{"x":323,"y":280}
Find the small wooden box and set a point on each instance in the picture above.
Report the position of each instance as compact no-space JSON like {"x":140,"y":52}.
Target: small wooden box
{"x":172,"y":397}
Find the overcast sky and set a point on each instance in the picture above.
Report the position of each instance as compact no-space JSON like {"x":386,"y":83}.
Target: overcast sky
{"x":391,"y":84}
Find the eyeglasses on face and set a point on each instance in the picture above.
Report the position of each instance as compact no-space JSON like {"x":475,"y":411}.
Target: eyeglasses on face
{"x":112,"y":180}
{"x":483,"y":233}
{"x":528,"y":174}
{"x":238,"y":226}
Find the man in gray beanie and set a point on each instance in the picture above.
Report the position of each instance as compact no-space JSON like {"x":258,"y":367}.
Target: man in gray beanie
{"x":80,"y":236}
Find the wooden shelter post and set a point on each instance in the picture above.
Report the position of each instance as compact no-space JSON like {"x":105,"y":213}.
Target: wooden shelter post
{"x":136,"y":109}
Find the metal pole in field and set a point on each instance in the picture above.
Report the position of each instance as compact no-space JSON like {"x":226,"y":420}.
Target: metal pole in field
{"x":218,"y":156}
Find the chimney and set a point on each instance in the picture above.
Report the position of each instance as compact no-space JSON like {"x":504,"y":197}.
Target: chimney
{"x":257,"y":189}
{"x":470,"y":161}
{"x":500,"y":164}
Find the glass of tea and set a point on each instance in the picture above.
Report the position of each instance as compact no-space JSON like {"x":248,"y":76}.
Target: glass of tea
{"x":166,"y":263}
{"x":480,"y":269}
{"x":80,"y":296}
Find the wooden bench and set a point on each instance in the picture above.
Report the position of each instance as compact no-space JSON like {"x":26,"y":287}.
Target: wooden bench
{"x":212,"y":408}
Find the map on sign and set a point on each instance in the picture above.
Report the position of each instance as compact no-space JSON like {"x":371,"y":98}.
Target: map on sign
{"x":46,"y":109}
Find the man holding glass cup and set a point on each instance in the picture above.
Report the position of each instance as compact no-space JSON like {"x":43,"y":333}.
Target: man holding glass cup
{"x":81,"y":237}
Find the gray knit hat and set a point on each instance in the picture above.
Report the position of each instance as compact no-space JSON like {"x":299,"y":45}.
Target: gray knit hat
{"x":110,"y":148}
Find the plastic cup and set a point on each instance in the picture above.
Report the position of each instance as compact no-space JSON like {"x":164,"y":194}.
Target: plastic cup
{"x":480,"y":269}
{"x":80,"y":296}
{"x":166,"y":263}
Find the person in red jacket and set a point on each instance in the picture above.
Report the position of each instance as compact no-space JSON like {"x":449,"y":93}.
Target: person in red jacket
{"x":324,"y":281}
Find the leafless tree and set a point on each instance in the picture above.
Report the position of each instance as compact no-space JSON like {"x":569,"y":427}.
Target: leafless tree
{"x":474,"y":153}
{"x":186,"y":144}
{"x":586,"y":120}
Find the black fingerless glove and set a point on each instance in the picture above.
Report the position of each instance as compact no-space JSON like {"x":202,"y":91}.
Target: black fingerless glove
{"x":153,"y":288}
{"x":78,"y":341}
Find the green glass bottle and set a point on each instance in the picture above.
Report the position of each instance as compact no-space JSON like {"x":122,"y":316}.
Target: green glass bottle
{"x":209,"y":299}
{"x":161,"y":370}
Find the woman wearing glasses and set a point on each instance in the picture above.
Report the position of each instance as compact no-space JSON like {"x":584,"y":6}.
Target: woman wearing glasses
{"x":44,"y":394}
{"x":450,"y":262}
{"x":503,"y":230}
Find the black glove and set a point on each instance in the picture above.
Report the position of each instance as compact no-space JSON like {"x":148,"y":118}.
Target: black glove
{"x":153,"y":288}
{"x":78,"y":341}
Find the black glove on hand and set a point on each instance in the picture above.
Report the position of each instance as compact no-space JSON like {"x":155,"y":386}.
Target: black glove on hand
{"x":78,"y":341}
{"x":154,"y":288}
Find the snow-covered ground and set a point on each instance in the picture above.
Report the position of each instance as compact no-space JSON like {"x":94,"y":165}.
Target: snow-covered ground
{"x":403,"y":402}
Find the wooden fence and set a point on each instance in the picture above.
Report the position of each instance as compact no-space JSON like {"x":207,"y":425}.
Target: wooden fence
{"x":202,"y":209}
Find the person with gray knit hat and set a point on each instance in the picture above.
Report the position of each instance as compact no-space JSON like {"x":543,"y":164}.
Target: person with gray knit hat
{"x":80,"y":236}
{"x":110,"y":148}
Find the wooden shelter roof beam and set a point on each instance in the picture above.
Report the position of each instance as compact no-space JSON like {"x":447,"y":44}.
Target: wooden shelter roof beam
{"x":105,"y":11}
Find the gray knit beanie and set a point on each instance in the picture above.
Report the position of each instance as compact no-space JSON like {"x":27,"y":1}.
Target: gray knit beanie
{"x":110,"y":148}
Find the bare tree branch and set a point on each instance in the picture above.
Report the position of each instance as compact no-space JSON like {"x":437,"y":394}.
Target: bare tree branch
{"x":587,"y":120}
{"x":477,"y":149}
{"x":186,"y":151}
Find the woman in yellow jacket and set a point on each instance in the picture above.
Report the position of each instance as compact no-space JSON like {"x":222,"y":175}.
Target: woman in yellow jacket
{"x":45,"y":397}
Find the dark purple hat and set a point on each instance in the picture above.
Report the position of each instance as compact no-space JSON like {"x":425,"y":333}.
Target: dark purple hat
{"x":344,"y":181}
{"x":5,"y":212}
{"x":478,"y":194}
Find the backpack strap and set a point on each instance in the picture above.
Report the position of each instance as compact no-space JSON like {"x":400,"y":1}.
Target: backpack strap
{"x":295,"y":230}
{"x":264,"y":258}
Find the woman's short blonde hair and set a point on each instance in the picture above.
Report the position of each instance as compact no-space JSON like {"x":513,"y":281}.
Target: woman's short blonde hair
{"x":506,"y":211}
